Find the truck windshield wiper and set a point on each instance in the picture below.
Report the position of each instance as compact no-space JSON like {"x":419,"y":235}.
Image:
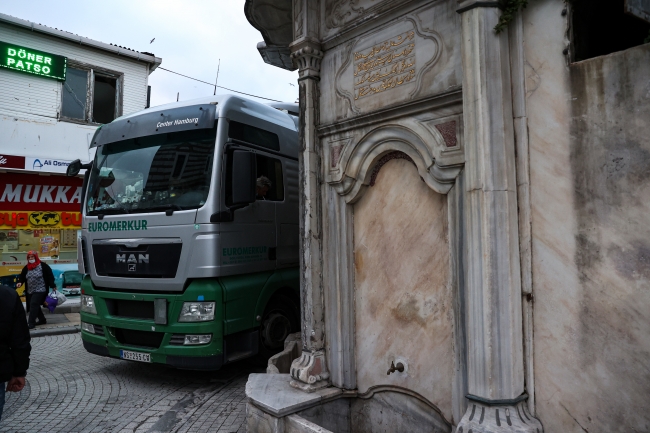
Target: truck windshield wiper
{"x":168,"y":208}
{"x":110,"y":211}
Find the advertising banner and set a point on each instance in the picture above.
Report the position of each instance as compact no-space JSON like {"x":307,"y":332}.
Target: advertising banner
{"x":12,"y":161}
{"x":47,"y":165}
{"x":31,"y":192}
{"x":31,"y":61}
{"x":36,"y":220}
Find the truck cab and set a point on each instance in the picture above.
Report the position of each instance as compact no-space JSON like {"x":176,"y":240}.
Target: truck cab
{"x":190,"y":233}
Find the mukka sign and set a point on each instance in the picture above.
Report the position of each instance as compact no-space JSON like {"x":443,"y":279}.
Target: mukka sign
{"x":27,"y":192}
{"x":31,"y":61}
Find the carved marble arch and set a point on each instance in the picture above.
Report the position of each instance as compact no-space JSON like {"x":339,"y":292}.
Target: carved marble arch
{"x":358,"y":160}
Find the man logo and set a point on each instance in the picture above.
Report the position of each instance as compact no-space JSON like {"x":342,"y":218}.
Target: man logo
{"x":131,"y":268}
{"x":122,"y":258}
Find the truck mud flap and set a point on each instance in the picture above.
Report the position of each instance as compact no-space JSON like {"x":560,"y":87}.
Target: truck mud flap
{"x":96,"y":349}
{"x":241,"y":345}
{"x":195,"y":362}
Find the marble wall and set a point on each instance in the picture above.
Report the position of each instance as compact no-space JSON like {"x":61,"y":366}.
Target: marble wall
{"x":590,"y":196}
{"x":402,"y":291}
{"x":412,"y":56}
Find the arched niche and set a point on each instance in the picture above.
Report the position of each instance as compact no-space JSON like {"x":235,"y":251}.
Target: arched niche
{"x":358,"y":160}
{"x":353,"y":363}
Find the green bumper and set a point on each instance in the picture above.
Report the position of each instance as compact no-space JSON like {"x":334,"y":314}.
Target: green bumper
{"x":156,"y":339}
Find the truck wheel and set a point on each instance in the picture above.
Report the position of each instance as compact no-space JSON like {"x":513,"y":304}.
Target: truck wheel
{"x":279,"y":321}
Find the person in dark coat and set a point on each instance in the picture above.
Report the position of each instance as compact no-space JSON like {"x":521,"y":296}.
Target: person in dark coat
{"x":14,"y":343}
{"x":39,"y":279}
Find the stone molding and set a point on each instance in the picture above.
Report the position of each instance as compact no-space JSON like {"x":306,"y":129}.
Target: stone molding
{"x":398,"y":389}
{"x":421,"y":35}
{"x":273,"y":19}
{"x":359,"y":159}
{"x":308,"y":59}
{"x":381,"y":14}
{"x":465,"y":5}
{"x":309,"y":372}
{"x":430,"y":103}
{"x":506,"y":417}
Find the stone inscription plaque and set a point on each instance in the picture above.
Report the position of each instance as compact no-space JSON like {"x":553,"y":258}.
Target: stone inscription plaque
{"x":384,"y":66}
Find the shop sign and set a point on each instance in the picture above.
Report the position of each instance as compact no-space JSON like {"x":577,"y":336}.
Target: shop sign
{"x":40,"y":220}
{"x":11,"y":161}
{"x":32,"y":61}
{"x":31,"y":192}
{"x":47,"y":165}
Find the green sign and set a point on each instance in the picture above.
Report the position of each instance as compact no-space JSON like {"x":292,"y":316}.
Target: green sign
{"x":32,"y":61}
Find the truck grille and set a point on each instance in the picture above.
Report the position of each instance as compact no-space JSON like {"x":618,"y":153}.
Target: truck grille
{"x":130,"y":309}
{"x":177,"y":339}
{"x":143,"y":261}
{"x":99,"y":330}
{"x":130,"y":337}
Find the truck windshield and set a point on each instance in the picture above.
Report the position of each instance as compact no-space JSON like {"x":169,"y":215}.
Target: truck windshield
{"x":153,"y":173}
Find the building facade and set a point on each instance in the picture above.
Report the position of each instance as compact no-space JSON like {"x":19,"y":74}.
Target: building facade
{"x":56,"y":88}
{"x":474,"y":216}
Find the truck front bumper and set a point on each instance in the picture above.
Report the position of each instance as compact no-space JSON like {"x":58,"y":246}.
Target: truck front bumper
{"x":213,"y":362}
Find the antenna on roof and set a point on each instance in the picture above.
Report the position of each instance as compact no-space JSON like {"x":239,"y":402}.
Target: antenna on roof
{"x":217,"y":80}
{"x":177,"y":96}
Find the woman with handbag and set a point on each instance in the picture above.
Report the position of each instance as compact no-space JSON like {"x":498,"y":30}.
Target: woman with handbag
{"x":39,"y":279}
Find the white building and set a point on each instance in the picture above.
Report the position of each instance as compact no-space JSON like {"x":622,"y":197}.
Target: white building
{"x":46,"y":118}
{"x":56,"y":88}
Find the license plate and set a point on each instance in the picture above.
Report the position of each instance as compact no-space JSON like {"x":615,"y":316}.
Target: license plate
{"x":135,"y":356}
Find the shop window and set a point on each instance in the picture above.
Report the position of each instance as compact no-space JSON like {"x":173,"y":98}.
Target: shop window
{"x":90,"y":95}
{"x":602,"y":27}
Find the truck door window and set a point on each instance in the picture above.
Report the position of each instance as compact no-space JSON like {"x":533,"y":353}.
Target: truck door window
{"x":253,"y":135}
{"x":269,"y":179}
{"x":269,"y":184}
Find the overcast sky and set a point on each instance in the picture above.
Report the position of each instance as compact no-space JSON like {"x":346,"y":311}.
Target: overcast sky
{"x":191,"y":36}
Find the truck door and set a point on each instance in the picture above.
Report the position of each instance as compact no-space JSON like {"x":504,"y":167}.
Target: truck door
{"x":248,"y":242}
{"x":286,"y":217}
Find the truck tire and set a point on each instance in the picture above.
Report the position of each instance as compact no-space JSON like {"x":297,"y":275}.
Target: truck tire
{"x":280,"y":319}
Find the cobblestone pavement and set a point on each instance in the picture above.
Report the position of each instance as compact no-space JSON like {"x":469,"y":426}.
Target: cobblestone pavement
{"x":70,"y":390}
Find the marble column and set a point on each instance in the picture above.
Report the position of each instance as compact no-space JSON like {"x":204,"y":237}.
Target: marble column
{"x":493,"y":298}
{"x":309,"y":371}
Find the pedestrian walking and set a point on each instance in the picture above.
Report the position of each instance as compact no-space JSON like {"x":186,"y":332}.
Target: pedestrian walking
{"x":39,"y":279}
{"x":14,"y":343}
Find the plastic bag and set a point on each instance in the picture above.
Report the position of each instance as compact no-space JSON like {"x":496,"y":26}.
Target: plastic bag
{"x":51,"y":302}
{"x":60,"y":297}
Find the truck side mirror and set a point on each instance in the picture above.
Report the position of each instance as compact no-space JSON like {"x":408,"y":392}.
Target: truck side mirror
{"x":244,"y":167}
{"x":74,"y":168}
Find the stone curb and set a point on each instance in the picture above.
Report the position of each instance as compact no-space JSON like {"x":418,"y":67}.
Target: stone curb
{"x":63,"y":309}
{"x":35,"y":333}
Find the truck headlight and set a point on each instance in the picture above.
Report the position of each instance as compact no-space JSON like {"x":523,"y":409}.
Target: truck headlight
{"x":193,"y":340}
{"x":88,"y":304}
{"x":197,"y":312}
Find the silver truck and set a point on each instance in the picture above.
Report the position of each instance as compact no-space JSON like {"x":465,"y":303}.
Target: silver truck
{"x":190,"y":233}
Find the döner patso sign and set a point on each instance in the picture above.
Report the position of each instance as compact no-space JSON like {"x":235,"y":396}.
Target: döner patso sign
{"x":31,"y":61}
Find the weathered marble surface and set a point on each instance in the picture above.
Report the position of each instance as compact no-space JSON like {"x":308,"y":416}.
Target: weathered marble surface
{"x":273,"y":393}
{"x":590,"y":188}
{"x":431,"y":37}
{"x":403,"y":299}
{"x":392,"y":412}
